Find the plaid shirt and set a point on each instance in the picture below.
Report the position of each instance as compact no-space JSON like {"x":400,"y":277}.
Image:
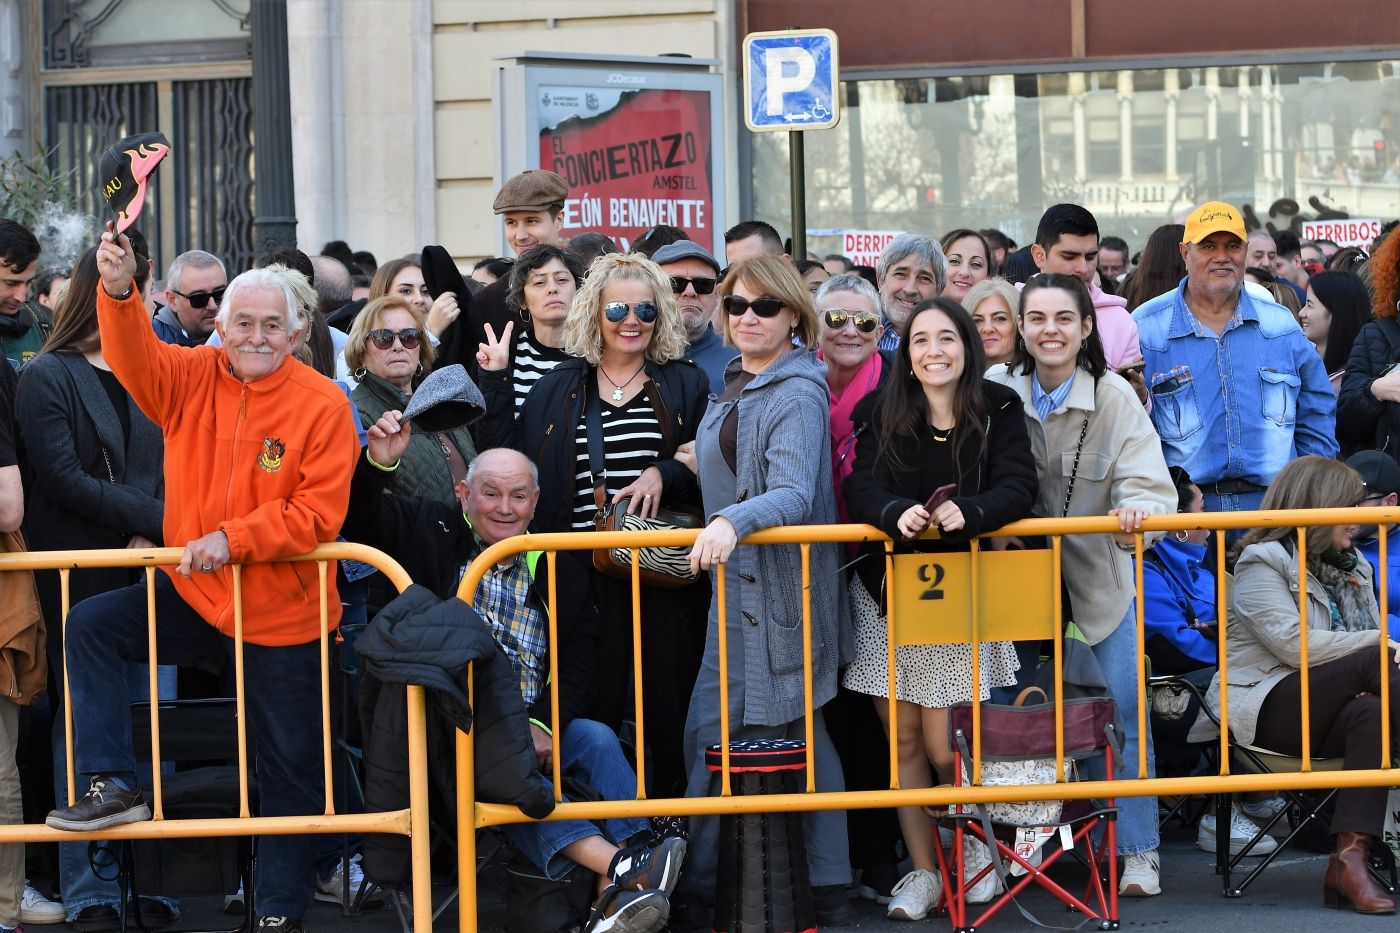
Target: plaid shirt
{"x":520,"y":630}
{"x":889,"y":338}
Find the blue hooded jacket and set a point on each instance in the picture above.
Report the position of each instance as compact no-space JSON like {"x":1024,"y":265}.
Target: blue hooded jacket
{"x":1177,"y":591}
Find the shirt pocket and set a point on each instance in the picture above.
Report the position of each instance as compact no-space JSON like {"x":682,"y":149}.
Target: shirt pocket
{"x":1174,"y":407}
{"x":1278,"y":394}
{"x":1093,"y":467}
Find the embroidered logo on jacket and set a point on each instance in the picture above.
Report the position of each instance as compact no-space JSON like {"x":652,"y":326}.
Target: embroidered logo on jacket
{"x":271,"y":457}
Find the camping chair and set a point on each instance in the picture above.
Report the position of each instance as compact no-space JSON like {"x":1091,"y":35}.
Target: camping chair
{"x":201,"y":738}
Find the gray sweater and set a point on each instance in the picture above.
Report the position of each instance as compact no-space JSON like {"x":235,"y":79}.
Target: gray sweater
{"x":783,"y":477}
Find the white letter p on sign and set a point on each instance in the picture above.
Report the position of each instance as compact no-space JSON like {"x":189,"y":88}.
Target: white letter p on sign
{"x":775,"y":63}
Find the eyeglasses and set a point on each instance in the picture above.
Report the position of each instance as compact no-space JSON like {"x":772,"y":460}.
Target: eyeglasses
{"x":201,"y":298}
{"x":865,"y":321}
{"x":734,"y":306}
{"x":384,"y":339}
{"x":616,"y":311}
{"x":702,"y":286}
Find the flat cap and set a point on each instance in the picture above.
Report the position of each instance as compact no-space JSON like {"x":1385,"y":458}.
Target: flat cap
{"x":532,"y":190}
{"x":684,"y":249}
{"x":445,"y":401}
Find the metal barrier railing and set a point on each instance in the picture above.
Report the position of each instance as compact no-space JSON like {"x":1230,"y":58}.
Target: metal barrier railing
{"x":981,"y":626}
{"x":412,"y":822}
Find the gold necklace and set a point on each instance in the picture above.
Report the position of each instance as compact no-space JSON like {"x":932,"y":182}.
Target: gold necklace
{"x":944,"y":437}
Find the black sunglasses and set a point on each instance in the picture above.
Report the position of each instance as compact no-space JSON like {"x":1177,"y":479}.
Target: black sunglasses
{"x":201,"y":298}
{"x":616,"y":311}
{"x":734,"y":306}
{"x":384,"y":339}
{"x":865,"y":321}
{"x":701,"y":286}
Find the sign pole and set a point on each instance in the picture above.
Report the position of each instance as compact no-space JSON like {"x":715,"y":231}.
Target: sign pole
{"x":797,"y":166}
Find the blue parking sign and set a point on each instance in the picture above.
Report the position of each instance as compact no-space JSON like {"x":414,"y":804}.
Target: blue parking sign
{"x":790,"y":80}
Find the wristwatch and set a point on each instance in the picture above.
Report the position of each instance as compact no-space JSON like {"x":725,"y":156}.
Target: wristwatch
{"x":122,"y":297}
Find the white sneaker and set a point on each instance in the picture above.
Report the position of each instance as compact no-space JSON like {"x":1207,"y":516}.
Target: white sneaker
{"x":1142,"y":875}
{"x":1261,"y":811}
{"x":975,"y":858}
{"x":1242,"y":830}
{"x":916,"y":894}
{"x":36,"y":909}
{"x":332,"y":889}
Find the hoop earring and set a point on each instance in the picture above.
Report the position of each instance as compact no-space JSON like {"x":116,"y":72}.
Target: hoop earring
{"x":419,"y":370}
{"x":1180,"y":536}
{"x":524,"y":315}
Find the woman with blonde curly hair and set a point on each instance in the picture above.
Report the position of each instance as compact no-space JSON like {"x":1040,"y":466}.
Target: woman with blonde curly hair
{"x":1368,"y":407}
{"x":630,"y":379}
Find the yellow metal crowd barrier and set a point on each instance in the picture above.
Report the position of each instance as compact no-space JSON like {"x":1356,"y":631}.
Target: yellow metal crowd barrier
{"x":412,"y":822}
{"x":972,"y":608}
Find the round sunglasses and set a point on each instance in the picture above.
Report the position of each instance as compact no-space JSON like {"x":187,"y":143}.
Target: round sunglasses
{"x":734,"y":306}
{"x":198,"y":300}
{"x":616,"y":311}
{"x":384,"y":339}
{"x":865,"y":321}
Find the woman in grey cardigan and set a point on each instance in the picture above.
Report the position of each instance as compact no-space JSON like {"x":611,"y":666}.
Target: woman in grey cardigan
{"x":1096,"y":453}
{"x":763,"y":461}
{"x":1344,"y":665}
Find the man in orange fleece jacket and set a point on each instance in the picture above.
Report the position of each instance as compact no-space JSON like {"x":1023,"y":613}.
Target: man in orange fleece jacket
{"x":259,"y":451}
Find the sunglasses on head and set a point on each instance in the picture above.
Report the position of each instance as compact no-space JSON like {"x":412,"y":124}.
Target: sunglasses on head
{"x":201,"y":298}
{"x":865,"y":321}
{"x":616,"y":311}
{"x":734,"y":306}
{"x":702,"y":286}
{"x":384,"y":339}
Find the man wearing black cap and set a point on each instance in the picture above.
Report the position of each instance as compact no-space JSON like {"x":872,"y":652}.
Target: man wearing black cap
{"x":694,"y":274}
{"x":1381,"y":474}
{"x":531,"y":206}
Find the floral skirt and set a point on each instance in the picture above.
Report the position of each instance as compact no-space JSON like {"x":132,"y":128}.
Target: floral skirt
{"x":934,"y":676}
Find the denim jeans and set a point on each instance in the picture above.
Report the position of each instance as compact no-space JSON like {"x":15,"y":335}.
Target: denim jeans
{"x":1231,"y":502}
{"x":284,"y":713}
{"x":1137,"y":816}
{"x":81,"y":887}
{"x":590,"y":752}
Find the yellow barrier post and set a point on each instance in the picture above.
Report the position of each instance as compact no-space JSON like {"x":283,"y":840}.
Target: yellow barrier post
{"x":1141,"y":653}
{"x":809,"y":726}
{"x":638,"y":697}
{"x":725,"y":789}
{"x":325,"y":617}
{"x":553,"y":618}
{"x":64,"y":598}
{"x":1383,"y":571}
{"x":890,"y":629}
{"x":976,"y":640}
{"x":1305,"y":729}
{"x":157,"y":805}
{"x":1222,"y":656}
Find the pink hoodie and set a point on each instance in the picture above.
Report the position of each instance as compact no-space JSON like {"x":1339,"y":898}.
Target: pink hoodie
{"x":1118,"y":331}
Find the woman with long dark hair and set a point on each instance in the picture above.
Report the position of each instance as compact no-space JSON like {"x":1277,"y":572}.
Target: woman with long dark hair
{"x":936,"y":423}
{"x":93,"y":478}
{"x":1336,"y":309}
{"x":1160,"y":267}
{"x":1097,"y":453}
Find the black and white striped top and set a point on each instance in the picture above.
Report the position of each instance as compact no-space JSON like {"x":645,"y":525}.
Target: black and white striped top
{"x":532,"y":360}
{"x":631,"y":443}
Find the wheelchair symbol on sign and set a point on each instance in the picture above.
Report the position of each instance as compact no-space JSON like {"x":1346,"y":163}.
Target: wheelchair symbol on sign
{"x":819,"y":111}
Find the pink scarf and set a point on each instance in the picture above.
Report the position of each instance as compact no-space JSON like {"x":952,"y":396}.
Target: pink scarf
{"x":843,"y":442}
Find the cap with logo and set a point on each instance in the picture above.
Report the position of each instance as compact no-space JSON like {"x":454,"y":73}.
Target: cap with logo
{"x":1378,"y":470}
{"x":123,"y":171}
{"x":1213,"y":217}
{"x":532,"y":190}
{"x":684,"y":249}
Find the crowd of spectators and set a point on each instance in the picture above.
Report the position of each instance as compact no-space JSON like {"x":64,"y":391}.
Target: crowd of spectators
{"x":959,"y":385}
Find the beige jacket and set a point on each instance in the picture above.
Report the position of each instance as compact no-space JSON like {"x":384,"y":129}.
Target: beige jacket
{"x":1262,"y":642}
{"x":1121,"y":466}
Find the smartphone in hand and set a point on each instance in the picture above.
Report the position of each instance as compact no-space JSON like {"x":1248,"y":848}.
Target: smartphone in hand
{"x":940,"y":495}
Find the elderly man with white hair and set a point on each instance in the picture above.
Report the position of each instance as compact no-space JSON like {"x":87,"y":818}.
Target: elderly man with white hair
{"x":259,"y":451}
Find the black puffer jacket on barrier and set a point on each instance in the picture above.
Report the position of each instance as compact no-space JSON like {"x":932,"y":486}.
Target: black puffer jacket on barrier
{"x":420,"y":639}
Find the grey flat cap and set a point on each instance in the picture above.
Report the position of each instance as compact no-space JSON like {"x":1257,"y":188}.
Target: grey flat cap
{"x":684,"y":249}
{"x":445,"y":401}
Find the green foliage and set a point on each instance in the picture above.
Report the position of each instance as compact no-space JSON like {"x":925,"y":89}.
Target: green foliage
{"x":29,"y":188}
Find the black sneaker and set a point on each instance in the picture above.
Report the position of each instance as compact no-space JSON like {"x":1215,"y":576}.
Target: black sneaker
{"x":621,"y":911}
{"x":96,"y":918}
{"x":280,"y":925}
{"x":107,"y":803}
{"x":639,"y":868}
{"x":832,"y":904}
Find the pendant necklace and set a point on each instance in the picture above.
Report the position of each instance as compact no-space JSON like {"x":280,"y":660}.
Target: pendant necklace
{"x":941,"y":436}
{"x":617,"y":389}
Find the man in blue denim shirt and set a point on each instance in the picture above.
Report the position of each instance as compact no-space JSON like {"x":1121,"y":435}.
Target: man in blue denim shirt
{"x":1237,"y":390}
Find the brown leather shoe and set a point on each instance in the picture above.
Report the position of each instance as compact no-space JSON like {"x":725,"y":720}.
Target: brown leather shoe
{"x":1348,"y":880}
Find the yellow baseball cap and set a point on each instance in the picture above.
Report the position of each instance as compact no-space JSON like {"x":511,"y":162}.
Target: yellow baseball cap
{"x":1213,"y":217}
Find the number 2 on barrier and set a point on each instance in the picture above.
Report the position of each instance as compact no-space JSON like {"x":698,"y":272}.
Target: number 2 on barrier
{"x":932,"y":597}
{"x":932,"y":574}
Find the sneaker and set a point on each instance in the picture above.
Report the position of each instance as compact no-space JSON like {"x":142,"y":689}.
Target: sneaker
{"x":640,"y":868}
{"x":234,"y":903}
{"x":36,"y":909}
{"x":916,"y":894}
{"x":877,"y":882}
{"x":975,"y":858}
{"x":832,"y":905}
{"x":1142,"y":875}
{"x":626,"y":911}
{"x":1261,"y":811}
{"x":1242,"y":831}
{"x":96,"y":918}
{"x":332,"y":890}
{"x":280,"y":925}
{"x":107,"y":803}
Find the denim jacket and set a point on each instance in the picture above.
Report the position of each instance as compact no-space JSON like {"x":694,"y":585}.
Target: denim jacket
{"x":1237,"y":405}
